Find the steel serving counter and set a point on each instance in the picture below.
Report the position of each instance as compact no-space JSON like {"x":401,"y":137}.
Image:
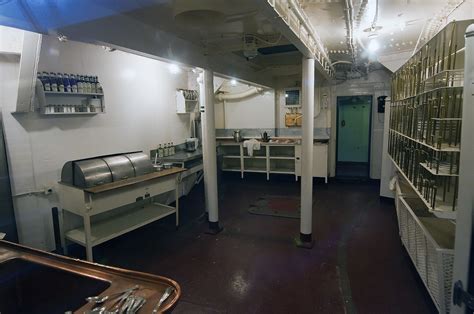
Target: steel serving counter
{"x":136,"y":192}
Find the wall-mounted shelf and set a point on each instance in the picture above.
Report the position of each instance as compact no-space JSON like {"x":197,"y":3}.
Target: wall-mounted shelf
{"x":187,"y":101}
{"x":73,"y":94}
{"x":70,"y":113}
{"x":55,"y":103}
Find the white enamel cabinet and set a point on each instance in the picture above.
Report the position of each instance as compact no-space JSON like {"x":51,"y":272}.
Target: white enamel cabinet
{"x":272,"y":158}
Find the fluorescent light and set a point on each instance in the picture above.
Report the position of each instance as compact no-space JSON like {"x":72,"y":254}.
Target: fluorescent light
{"x":233,"y":82}
{"x":373,"y":46}
{"x":174,"y":68}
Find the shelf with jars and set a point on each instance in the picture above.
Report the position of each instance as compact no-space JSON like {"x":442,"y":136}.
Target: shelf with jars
{"x":69,"y":94}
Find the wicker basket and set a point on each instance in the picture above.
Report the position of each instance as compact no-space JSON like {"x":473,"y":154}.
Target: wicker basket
{"x":433,"y":263}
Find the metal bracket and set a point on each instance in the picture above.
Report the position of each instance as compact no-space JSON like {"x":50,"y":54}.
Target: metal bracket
{"x":460,"y":296}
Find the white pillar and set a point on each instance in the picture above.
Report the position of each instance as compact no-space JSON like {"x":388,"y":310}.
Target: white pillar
{"x":206,"y":83}
{"x":463,"y":256}
{"x":307,"y":104}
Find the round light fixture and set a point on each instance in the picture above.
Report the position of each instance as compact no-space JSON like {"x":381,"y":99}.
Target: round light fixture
{"x":373,"y":46}
{"x":174,"y":68}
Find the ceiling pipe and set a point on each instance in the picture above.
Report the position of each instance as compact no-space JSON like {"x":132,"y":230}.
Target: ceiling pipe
{"x":341,"y":61}
{"x":236,"y":96}
{"x":348,"y":17}
{"x":303,"y":18}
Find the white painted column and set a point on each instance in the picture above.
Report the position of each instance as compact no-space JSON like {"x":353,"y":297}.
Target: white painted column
{"x":206,"y":83}
{"x":464,"y":216}
{"x":307,"y":95}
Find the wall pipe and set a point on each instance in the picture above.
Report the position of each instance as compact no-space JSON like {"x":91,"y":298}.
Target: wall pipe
{"x":206,"y":86}
{"x":307,"y":90}
{"x":235,"y":96}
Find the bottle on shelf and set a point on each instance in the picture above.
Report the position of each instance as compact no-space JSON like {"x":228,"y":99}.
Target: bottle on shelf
{"x":98,"y":86}
{"x":80,"y":84}
{"x":166,"y":151}
{"x":45,"y":80}
{"x":60,"y":82}
{"x":67,"y":83}
{"x":88,"y":84}
{"x":73,"y":81}
{"x":160,"y":151}
{"x":172,"y":149}
{"x":54,"y":82}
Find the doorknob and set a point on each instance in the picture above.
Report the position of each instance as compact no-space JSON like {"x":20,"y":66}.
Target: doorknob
{"x":343,"y":123}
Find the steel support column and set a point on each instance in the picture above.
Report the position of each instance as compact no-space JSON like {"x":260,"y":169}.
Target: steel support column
{"x":307,"y":104}
{"x":206,"y":83}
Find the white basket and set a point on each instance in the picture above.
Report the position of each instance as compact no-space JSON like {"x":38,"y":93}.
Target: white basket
{"x":433,"y":263}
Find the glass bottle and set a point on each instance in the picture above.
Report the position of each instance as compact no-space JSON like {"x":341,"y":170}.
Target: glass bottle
{"x":54,"y":83}
{"x":166,"y":151}
{"x":73,"y":81}
{"x":160,"y":151}
{"x":67,"y":83}
{"x":98,"y":86}
{"x":80,"y":84}
{"x":45,"y":80}
{"x":172,"y":149}
{"x":60,"y":82}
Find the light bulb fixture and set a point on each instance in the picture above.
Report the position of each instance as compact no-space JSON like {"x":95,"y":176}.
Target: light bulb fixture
{"x":373,"y":46}
{"x":233,"y":82}
{"x":62,"y":38}
{"x":174,"y":68}
{"x":108,"y":49}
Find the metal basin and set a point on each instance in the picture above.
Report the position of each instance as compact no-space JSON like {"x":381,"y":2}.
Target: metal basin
{"x":29,"y":287}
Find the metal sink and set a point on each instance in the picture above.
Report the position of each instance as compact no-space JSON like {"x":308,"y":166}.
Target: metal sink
{"x":29,"y":287}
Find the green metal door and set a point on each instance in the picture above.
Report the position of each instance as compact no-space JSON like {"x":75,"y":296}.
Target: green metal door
{"x":353,"y":129}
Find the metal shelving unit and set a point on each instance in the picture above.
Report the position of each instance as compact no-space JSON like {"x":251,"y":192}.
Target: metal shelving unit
{"x":55,"y":103}
{"x":424,"y":146}
{"x":426,"y":117}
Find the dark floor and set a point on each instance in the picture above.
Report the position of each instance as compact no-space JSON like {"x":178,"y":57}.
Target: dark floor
{"x":356,"y":265}
{"x":352,"y":169}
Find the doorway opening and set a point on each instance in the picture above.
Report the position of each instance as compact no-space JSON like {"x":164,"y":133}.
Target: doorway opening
{"x":353,"y":136}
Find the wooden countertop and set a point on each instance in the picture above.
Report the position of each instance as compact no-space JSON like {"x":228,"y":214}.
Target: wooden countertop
{"x":134,"y":180}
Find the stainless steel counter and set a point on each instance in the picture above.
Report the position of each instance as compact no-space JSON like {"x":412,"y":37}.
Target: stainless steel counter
{"x":183,"y":156}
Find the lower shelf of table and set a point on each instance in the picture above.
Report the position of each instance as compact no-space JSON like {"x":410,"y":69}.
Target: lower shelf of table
{"x":110,"y":228}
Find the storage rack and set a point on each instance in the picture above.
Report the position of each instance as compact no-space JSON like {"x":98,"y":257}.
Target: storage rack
{"x":426,"y":116}
{"x":424,"y":145}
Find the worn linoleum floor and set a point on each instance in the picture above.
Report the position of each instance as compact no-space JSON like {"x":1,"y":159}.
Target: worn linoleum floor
{"x":357,"y":264}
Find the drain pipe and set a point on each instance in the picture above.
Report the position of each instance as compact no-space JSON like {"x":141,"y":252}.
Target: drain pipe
{"x":305,"y":239}
{"x":206,"y":89}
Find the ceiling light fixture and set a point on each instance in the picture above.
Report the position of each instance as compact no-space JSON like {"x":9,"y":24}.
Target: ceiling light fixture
{"x":174,"y":68}
{"x":108,"y":49}
{"x":62,"y":38}
{"x":233,"y":82}
{"x":373,"y":46}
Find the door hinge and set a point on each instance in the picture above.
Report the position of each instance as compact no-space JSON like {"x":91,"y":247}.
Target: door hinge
{"x":460,"y":296}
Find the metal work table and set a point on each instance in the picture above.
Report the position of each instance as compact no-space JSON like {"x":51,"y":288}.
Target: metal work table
{"x":89,"y":202}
